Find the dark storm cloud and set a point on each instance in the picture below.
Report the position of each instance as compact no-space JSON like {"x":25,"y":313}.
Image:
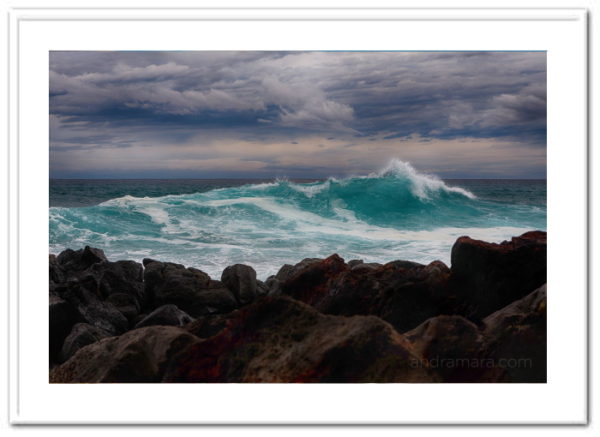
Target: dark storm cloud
{"x":112,"y":100}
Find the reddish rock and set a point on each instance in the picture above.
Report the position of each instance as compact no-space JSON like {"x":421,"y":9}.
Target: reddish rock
{"x":402,"y":293}
{"x":278,"y":339}
{"x":489,"y":276}
{"x":310,"y":284}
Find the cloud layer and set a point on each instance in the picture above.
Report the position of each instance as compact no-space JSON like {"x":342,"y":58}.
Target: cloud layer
{"x":298,"y":114}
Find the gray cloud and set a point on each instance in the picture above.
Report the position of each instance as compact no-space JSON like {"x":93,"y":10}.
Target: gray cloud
{"x":116,"y":100}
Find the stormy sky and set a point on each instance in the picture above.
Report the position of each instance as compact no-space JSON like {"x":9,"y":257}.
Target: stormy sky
{"x":296,"y":114}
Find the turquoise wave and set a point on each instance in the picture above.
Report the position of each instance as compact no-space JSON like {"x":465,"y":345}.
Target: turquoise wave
{"x":392,"y":214}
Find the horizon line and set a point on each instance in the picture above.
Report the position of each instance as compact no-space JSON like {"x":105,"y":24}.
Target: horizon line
{"x":273,"y":177}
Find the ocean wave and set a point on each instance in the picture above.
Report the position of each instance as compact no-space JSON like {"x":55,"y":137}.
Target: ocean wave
{"x":394,"y":213}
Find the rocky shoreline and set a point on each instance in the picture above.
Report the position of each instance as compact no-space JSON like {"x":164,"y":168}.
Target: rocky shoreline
{"x":321,"y":320}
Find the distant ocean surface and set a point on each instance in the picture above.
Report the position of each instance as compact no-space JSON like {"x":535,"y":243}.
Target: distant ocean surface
{"x":396,"y":213}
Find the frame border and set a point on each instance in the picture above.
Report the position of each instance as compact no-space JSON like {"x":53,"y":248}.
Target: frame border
{"x":18,"y":14}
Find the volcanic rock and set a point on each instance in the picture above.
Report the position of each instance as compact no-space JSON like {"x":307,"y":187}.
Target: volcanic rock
{"x":401,"y":292}
{"x":165,"y":315}
{"x":79,"y":260}
{"x":241,"y":280}
{"x":140,"y":355}
{"x":81,"y":335}
{"x":450,"y":346}
{"x":119,"y":277}
{"x":515,"y":340}
{"x":489,"y":276}
{"x":81,"y":294}
{"x":62,"y":318}
{"x":169,"y":283}
{"x":310,"y":284}
{"x":278,"y":339}
{"x":126,"y":304}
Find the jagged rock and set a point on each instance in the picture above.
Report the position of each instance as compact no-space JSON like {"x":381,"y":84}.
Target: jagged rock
{"x":401,"y":292}
{"x":262,"y":289}
{"x":510,"y":346}
{"x":81,"y":335}
{"x":345,"y":333}
{"x":169,"y":283}
{"x":489,"y":276}
{"x":207,"y":326}
{"x":365,"y":266}
{"x":278,"y":339}
{"x":78,"y":260}
{"x":241,"y":280}
{"x":310,"y":284}
{"x":62,"y":317}
{"x":126,"y":304}
{"x":119,"y":277}
{"x":139,"y":356}
{"x":91,"y":309}
{"x":450,"y":346}
{"x":515,"y":340}
{"x":57,"y":274}
{"x":217,"y":298}
{"x":273,"y":283}
{"x":288,"y":270}
{"x":165,"y":315}
{"x":355,"y":262}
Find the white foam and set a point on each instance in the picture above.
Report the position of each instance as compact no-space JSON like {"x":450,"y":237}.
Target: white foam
{"x":421,"y":184}
{"x":310,"y":190}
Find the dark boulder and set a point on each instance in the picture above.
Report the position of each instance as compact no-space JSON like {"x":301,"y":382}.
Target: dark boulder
{"x":510,"y":346}
{"x":273,"y":286}
{"x":355,"y":262}
{"x":400,"y":292}
{"x":207,"y":326}
{"x":364,"y":266}
{"x":217,"y":298}
{"x":169,"y":283}
{"x":515,"y":340}
{"x":119,"y":277}
{"x":81,"y":294}
{"x":241,"y":280}
{"x":57,"y":274}
{"x":72,"y":261}
{"x":287,"y":270}
{"x":126,"y":304}
{"x":273,"y":283}
{"x":165,"y":315}
{"x":81,"y":335}
{"x":278,"y":339}
{"x":62,"y":317}
{"x":310,"y":283}
{"x":489,"y":276}
{"x":451,"y":346}
{"x":262,"y":289}
{"x":138,"y":356}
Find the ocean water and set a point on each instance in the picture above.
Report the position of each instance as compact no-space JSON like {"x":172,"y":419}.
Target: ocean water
{"x":396,"y":213}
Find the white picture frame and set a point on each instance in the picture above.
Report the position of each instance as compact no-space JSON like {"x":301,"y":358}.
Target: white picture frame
{"x":561,"y":32}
